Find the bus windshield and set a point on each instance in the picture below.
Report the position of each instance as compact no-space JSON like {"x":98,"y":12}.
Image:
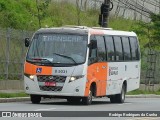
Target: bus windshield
{"x":58,"y":48}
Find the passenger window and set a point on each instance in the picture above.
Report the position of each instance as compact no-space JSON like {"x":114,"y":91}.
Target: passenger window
{"x":118,"y":48}
{"x":110,"y":48}
{"x":126,"y":48}
{"x":101,"y":48}
{"x":134,"y":48}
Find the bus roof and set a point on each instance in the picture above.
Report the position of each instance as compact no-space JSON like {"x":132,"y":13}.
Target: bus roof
{"x":85,"y":30}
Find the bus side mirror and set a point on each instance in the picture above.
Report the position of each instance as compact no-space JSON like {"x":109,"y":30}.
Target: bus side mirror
{"x":93,"y":44}
{"x":27,"y":42}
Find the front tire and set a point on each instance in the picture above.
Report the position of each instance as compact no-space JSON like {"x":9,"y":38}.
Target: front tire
{"x":88,"y":100}
{"x":35,"y":99}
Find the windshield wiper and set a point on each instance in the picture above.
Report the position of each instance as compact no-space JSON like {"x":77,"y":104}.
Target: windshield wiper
{"x":40,"y":60}
{"x":66,"y":57}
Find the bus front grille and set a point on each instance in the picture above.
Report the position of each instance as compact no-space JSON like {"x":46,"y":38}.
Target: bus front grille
{"x":51,"y":78}
{"x":59,"y":80}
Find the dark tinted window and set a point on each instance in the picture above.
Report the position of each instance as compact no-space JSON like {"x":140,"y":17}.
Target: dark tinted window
{"x":110,"y":48}
{"x":101,"y":48}
{"x":118,"y":48}
{"x":126,"y":48}
{"x":134,"y":48}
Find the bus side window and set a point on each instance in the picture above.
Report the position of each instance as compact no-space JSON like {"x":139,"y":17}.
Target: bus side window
{"x":134,"y":48}
{"x":101,"y":48}
{"x":93,"y":52}
{"x":126,"y":48}
{"x":118,"y":48}
{"x":110,"y":48}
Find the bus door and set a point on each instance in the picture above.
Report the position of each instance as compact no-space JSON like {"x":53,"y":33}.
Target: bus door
{"x":98,"y":65}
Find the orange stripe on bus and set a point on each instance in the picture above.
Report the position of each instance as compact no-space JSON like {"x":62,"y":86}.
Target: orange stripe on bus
{"x":32,"y":69}
{"x":97,"y":73}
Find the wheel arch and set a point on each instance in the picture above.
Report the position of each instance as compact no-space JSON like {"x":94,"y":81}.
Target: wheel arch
{"x":93,"y":87}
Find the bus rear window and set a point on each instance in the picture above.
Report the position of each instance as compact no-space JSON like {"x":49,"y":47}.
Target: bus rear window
{"x":134,"y":48}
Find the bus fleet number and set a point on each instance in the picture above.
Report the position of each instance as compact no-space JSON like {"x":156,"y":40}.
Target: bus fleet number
{"x":60,"y":71}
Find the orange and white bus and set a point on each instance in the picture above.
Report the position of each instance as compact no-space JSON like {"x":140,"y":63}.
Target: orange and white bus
{"x":78,"y":63}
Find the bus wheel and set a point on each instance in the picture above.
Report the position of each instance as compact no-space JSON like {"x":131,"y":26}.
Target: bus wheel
{"x":87,"y":100}
{"x":35,"y":99}
{"x":121,"y":97}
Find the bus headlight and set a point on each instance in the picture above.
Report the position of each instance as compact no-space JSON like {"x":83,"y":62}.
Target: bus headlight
{"x":73,"y":78}
{"x":30,"y":76}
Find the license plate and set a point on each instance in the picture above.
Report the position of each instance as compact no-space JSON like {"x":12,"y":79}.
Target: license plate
{"x":50,"y":83}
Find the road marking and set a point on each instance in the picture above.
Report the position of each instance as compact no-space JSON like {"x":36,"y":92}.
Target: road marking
{"x":125,"y":104}
{"x":45,"y":109}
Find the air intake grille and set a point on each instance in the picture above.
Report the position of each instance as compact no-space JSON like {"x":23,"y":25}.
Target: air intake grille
{"x":50,"y":78}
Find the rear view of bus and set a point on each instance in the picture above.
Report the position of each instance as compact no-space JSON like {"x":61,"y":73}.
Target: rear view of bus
{"x":77,"y":63}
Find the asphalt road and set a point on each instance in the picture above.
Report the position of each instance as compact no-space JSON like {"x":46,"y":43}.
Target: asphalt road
{"x":100,"y":104}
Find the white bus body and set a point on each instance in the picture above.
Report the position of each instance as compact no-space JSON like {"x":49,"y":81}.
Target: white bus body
{"x":77,"y":63}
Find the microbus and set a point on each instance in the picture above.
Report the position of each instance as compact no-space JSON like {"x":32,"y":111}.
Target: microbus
{"x":78,"y":63}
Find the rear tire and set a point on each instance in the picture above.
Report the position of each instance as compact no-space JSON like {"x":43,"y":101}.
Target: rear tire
{"x":88,"y":100}
{"x":35,"y":99}
{"x":119,"y":98}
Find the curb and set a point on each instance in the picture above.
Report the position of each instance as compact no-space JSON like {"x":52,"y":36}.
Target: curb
{"x":16,"y":99}
{"x":23,"y":99}
{"x":143,"y":96}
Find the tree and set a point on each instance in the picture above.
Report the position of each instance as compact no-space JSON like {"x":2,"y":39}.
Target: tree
{"x":149,"y":33}
{"x":42,"y":6}
{"x":155,"y":30}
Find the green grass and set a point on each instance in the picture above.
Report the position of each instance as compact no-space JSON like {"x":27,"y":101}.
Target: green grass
{"x":138,"y":92}
{"x":11,"y":95}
